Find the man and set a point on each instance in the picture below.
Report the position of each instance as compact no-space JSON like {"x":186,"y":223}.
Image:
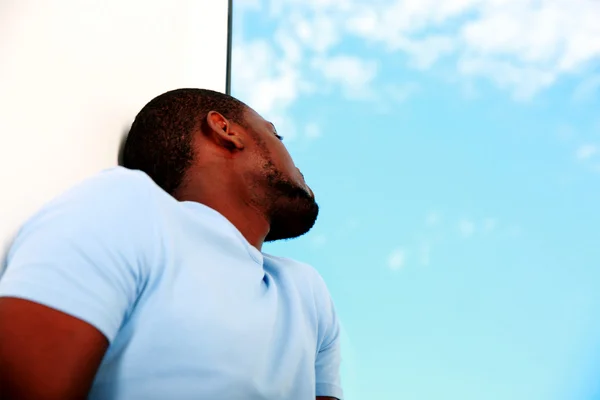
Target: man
{"x":149,"y":283}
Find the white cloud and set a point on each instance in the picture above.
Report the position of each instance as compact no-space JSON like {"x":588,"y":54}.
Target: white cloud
{"x":522,"y":46}
{"x":585,"y":152}
{"x":353,"y":74}
{"x":469,"y":90}
{"x":432,"y":218}
{"x":425,"y":254}
{"x":318,"y":33}
{"x":466,"y":228}
{"x":268,"y":84}
{"x":426,"y":52}
{"x":565,"y":133}
{"x":522,"y":81}
{"x":312,"y":131}
{"x":515,"y":231}
{"x":270,"y":75}
{"x":401,"y":92}
{"x":319,"y":240}
{"x":352,"y":224}
{"x":389,"y":97}
{"x":284,"y":124}
{"x":291,"y":48}
{"x":242,"y":5}
{"x":534,"y":42}
{"x":489,"y":224}
{"x":588,"y":88}
{"x":397,"y":259}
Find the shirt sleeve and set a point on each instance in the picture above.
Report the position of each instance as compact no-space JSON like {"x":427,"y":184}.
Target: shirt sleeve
{"x":88,"y":252}
{"x":327,"y":364}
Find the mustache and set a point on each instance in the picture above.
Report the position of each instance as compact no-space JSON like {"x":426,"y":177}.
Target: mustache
{"x":291,"y":190}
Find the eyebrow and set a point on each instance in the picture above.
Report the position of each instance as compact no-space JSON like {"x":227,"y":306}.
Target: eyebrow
{"x":273,"y":125}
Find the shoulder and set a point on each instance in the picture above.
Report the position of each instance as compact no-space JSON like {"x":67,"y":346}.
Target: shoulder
{"x":115,"y":183}
{"x":305,"y":275}
{"x":115,"y":191}
{"x":295,"y":267}
{"x":89,"y":252}
{"x":114,"y":206}
{"x":327,"y":321}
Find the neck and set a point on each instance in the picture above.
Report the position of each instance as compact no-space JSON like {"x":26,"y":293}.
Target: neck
{"x":248,"y":219}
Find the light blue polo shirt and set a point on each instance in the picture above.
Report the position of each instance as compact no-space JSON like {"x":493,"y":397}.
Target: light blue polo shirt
{"x":191,"y":309}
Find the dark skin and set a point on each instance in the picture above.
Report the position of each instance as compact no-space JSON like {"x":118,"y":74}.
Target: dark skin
{"x":46,"y":354}
{"x":230,"y":176}
{"x":243,"y":172}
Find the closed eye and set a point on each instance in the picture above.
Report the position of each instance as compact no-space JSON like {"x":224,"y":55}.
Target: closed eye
{"x":279,"y":137}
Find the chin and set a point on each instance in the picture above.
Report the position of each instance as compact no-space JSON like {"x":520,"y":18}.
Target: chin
{"x":293,"y":210}
{"x":293,"y":222}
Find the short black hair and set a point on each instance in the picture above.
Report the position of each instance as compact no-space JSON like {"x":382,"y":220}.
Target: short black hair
{"x":159,"y":142}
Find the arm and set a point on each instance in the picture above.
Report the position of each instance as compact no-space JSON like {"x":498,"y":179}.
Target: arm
{"x":72,"y":277}
{"x":46,"y":354}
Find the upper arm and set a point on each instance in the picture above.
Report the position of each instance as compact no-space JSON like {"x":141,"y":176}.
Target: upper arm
{"x":45,"y":353}
{"x":72,"y":276}
{"x":327,"y":364}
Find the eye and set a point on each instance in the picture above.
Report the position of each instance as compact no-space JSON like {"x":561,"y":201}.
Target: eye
{"x":279,"y":137}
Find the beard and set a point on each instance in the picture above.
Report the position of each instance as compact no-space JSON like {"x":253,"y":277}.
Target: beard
{"x":292,"y":209}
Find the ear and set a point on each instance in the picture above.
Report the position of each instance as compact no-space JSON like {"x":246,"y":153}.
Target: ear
{"x":224,"y":132}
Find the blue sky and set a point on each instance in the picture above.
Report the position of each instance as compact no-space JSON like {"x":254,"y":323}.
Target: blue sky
{"x":453,"y":147}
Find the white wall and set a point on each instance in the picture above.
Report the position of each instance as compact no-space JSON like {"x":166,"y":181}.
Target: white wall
{"x":73,"y":75}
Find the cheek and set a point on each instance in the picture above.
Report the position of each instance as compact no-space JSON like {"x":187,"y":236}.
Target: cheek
{"x":281,"y":158}
{"x":287,"y":160}
{"x":288,"y":166}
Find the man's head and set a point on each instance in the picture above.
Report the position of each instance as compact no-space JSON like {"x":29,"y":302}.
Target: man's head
{"x":190,"y":139}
